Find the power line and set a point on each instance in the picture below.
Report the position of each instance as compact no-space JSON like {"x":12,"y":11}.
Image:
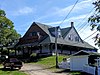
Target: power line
{"x":85,"y":27}
{"x":90,"y":35}
{"x":82,"y":25}
{"x":69,"y":12}
{"x":85,"y":17}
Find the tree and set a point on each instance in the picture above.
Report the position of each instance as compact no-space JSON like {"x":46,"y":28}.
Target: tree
{"x":8,"y":34}
{"x":95,"y":21}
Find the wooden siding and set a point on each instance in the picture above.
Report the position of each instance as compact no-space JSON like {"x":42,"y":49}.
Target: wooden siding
{"x":26,"y":39}
{"x":72,"y":35}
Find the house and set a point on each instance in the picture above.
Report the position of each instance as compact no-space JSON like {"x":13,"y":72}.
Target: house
{"x":40,"y":38}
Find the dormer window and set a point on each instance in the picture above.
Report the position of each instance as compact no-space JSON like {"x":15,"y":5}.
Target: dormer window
{"x":59,"y":33}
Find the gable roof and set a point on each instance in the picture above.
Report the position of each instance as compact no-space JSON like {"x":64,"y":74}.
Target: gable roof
{"x":82,"y":52}
{"x":43,"y":27}
{"x":64,"y":31}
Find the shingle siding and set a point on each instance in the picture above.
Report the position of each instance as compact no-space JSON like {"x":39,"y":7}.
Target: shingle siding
{"x":72,"y":35}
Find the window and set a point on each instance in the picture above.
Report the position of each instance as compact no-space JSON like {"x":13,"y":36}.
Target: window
{"x":59,"y":33}
{"x":70,"y":37}
{"x":33,"y":34}
{"x":30,"y":34}
{"x":77,"y":39}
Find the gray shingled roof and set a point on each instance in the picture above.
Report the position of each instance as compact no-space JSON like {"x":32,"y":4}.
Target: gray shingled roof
{"x":64,"y":31}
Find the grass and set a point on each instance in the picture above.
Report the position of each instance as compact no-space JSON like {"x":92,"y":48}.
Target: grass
{"x":50,"y":61}
{"x":10,"y":72}
{"x":75,"y":73}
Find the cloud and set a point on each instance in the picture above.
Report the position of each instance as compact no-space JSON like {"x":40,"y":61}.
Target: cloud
{"x":24,"y":11}
{"x":57,"y":12}
{"x":78,"y":8}
{"x":66,"y":22}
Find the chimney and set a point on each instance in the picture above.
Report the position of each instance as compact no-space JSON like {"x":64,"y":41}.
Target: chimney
{"x":72,"y":24}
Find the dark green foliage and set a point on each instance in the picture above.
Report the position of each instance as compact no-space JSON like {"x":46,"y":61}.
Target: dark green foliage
{"x":95,"y":20}
{"x":7,"y":32}
{"x":33,"y":55}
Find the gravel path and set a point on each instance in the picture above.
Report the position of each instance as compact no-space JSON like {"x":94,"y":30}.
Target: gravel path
{"x":32,"y":69}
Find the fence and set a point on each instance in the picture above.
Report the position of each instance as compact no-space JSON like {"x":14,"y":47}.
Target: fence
{"x":98,"y":71}
{"x":89,"y":69}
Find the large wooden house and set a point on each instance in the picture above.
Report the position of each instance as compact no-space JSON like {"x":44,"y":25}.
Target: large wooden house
{"x":40,"y":38}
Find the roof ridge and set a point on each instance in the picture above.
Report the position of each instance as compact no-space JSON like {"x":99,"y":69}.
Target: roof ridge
{"x":42,"y":24}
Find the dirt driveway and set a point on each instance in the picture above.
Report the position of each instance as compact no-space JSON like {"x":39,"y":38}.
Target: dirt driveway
{"x":32,"y":69}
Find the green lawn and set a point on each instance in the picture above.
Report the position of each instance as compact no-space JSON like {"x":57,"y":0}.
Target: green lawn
{"x":50,"y":61}
{"x":10,"y":72}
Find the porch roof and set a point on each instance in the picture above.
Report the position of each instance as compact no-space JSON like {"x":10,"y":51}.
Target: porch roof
{"x":64,"y":42}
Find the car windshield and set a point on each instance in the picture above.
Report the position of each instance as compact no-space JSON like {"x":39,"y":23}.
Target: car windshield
{"x":13,"y":60}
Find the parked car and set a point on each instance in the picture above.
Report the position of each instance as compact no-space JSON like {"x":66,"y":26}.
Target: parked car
{"x":12,"y":63}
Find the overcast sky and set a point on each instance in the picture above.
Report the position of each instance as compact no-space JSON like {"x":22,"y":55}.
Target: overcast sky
{"x":50,"y":12}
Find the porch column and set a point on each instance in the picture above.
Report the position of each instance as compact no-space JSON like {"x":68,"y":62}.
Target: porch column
{"x":50,"y":48}
{"x":70,"y":48}
{"x":40,"y":48}
{"x":28,"y":48}
{"x":15,"y":51}
{"x":31,"y":50}
{"x":22,"y":49}
{"x":8,"y":52}
{"x":61,"y":49}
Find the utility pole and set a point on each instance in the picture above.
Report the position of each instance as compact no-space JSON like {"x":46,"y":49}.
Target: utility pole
{"x":97,"y":66}
{"x":56,"y":36}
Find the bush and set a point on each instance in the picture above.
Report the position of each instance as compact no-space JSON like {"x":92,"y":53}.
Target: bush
{"x":4,"y":51}
{"x":33,"y":57}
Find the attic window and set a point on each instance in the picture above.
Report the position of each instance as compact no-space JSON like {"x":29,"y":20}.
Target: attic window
{"x":33,"y":34}
{"x":77,"y":39}
{"x":70,"y":37}
{"x":30,"y":34}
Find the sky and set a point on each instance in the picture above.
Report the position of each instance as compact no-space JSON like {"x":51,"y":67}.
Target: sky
{"x":51,"y":12}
